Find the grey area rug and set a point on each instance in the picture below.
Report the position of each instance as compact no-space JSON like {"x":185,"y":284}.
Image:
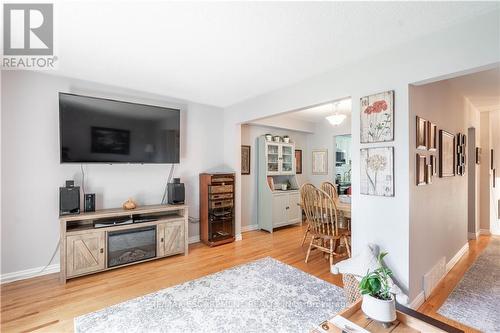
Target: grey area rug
{"x":475,"y":301}
{"x":262,"y":296}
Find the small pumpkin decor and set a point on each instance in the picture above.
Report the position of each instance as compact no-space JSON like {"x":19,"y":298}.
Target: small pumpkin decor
{"x":378,"y":301}
{"x":129,"y":204}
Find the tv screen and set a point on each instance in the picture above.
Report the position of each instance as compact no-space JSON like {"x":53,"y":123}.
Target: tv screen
{"x":96,"y":130}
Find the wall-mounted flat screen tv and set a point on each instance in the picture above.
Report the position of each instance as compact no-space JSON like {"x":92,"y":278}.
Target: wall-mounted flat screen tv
{"x":96,"y":130}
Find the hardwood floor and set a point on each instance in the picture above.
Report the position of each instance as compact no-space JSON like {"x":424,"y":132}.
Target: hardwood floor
{"x":44,"y":304}
{"x":446,"y":286}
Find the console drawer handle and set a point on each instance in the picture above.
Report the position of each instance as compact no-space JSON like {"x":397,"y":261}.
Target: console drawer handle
{"x":101,"y":250}
{"x":161,"y":240}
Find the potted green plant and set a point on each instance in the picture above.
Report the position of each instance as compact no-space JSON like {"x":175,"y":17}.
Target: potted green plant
{"x":378,"y":302}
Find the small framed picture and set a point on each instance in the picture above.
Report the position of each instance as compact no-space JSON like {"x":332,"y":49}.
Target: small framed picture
{"x":491,"y":159}
{"x":428,"y":174}
{"x":478,"y":155}
{"x":432,"y":136}
{"x":422,"y":136}
{"x":421,"y":170}
{"x":298,"y":161}
{"x":245,"y":160}
{"x":433,"y":164}
{"x":320,"y":162}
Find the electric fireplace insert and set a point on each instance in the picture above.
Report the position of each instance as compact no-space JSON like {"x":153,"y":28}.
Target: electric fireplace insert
{"x":131,"y":245}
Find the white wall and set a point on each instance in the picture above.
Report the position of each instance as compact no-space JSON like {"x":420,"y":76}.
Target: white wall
{"x":286,"y":122}
{"x":323,"y":138}
{"x":380,"y":220}
{"x":249,"y":183}
{"x":484,"y":170}
{"x":438,"y":211}
{"x":489,"y":205}
{"x":495,"y":192}
{"x":31,"y":173}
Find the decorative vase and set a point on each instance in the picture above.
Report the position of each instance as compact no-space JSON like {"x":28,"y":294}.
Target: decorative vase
{"x":277,"y":138}
{"x":286,"y":139}
{"x":269,"y":137}
{"x":383,"y":311}
{"x":129,"y":204}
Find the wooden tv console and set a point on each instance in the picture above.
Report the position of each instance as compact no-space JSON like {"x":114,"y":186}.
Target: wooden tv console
{"x":84,"y":248}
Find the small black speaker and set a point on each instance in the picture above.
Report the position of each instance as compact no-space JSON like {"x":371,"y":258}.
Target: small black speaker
{"x":69,"y":200}
{"x":89,"y":202}
{"x":176,"y":192}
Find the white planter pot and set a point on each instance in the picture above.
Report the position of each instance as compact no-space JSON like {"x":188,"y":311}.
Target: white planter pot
{"x":379,"y":310}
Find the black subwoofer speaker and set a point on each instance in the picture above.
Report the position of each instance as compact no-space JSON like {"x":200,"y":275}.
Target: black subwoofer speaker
{"x":69,"y":200}
{"x":176,"y":192}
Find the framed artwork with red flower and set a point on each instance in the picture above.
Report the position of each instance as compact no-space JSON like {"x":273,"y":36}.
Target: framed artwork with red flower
{"x":377,"y":117}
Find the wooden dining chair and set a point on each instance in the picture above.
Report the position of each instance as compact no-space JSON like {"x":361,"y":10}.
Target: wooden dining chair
{"x":331,"y":189}
{"x":321,"y":213}
{"x":304,"y":189}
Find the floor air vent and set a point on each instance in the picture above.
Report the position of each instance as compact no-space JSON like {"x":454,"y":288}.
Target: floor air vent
{"x":432,"y":277}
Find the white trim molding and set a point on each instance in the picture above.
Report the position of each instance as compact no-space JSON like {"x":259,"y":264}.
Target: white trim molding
{"x":238,"y":237}
{"x":474,"y":235}
{"x":417,"y":301}
{"x":453,"y":261}
{"x":250,"y":227}
{"x":484,"y":232}
{"x":37,"y":271}
{"x":194,"y":239}
{"x":29,"y":273}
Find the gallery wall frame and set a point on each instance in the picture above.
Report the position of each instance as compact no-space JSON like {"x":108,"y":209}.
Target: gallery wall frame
{"x":421,"y":133}
{"x":421,"y":170}
{"x":446,"y":154}
{"x":432,"y":136}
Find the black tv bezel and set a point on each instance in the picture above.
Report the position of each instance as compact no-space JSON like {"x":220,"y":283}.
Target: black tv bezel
{"x":118,"y":101}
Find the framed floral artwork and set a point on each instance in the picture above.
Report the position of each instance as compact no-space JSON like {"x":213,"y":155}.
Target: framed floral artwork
{"x":377,"y":171}
{"x":377,"y":117}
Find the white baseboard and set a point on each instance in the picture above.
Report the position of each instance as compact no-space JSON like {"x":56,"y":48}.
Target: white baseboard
{"x":473,"y":235}
{"x":28,"y":273}
{"x":194,"y":239}
{"x":34,"y":272}
{"x":250,"y":227}
{"x":417,"y":301}
{"x":238,"y":237}
{"x":484,"y":232}
{"x":452,"y":262}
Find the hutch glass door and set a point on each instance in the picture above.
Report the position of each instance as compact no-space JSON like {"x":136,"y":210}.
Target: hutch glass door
{"x":272,"y":159}
{"x":287,"y":159}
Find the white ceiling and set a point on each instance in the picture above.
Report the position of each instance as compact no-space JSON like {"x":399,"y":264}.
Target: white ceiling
{"x":220,"y":53}
{"x":482,"y":89}
{"x":319,"y":113}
